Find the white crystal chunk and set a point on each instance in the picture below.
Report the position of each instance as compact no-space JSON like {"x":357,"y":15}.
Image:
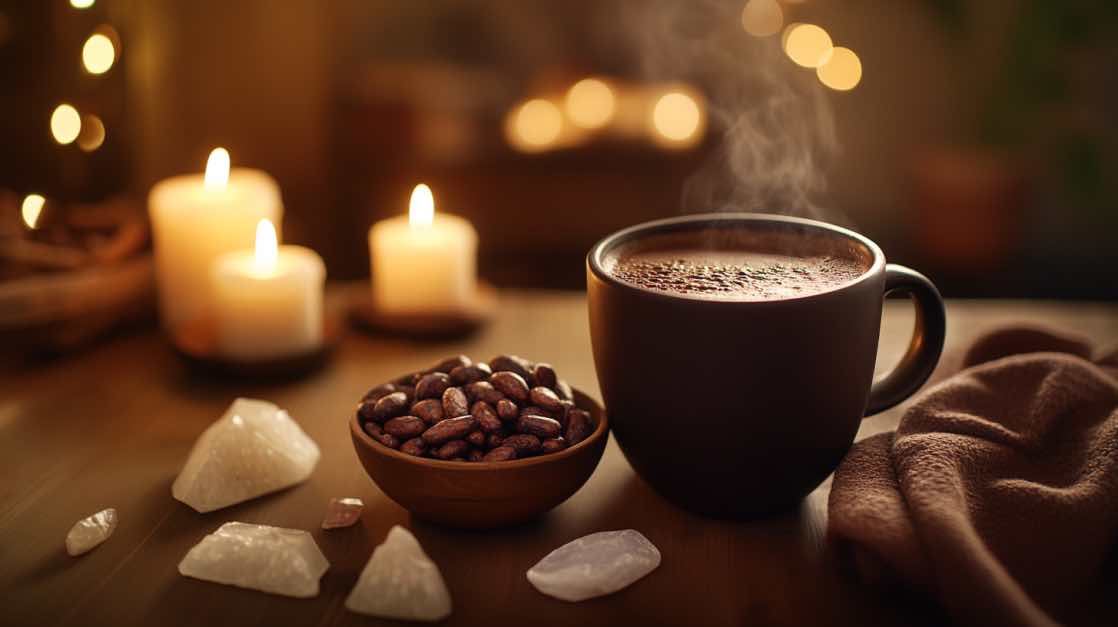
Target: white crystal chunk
{"x":343,"y":512}
{"x":254,"y":449}
{"x":595,"y":565}
{"x":400,"y":582}
{"x":87,"y":533}
{"x":258,"y":557}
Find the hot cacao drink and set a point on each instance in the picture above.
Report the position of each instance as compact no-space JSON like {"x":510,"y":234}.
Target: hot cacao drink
{"x":738,"y":264}
{"x":736,"y":352}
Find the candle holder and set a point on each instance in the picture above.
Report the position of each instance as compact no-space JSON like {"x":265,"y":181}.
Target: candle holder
{"x":196,"y":343}
{"x":423,"y":325}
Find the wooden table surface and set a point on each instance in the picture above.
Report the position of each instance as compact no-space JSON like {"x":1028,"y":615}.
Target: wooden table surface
{"x":111,"y":427}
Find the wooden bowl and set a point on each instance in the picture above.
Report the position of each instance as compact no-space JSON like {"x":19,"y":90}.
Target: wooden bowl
{"x":483,"y":495}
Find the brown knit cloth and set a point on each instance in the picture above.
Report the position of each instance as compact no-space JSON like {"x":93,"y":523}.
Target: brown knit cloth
{"x":998,"y":493}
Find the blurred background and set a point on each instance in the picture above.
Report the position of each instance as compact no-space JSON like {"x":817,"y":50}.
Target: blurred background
{"x":973,"y":140}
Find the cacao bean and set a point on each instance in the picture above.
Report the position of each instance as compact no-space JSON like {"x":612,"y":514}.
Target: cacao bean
{"x":476,"y":438}
{"x":469,"y":374}
{"x":547,"y":399}
{"x":429,"y":410}
{"x":388,"y":440}
{"x":553,"y":445}
{"x":390,"y":406}
{"x":511,"y":385}
{"x":511,"y":363}
{"x":405,"y":427}
{"x":414,"y":446}
{"x":450,"y":429}
{"x":486,"y":417}
{"x":432,"y":385}
{"x":564,"y":391}
{"x":453,"y":448}
{"x":380,"y":391}
{"x":484,"y":391}
{"x":455,"y":403}
{"x":524,"y":443}
{"x":539,"y":426}
{"x":545,"y":375}
{"x":450,"y":363}
{"x":579,"y":426}
{"x":507,"y":410}
{"x":500,"y":454}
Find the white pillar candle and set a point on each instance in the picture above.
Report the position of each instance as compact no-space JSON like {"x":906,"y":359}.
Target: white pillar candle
{"x":423,"y":262}
{"x":194,"y":219}
{"x":268,"y":301}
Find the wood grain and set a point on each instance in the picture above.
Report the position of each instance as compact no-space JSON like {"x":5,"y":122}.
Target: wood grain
{"x":112,"y":427}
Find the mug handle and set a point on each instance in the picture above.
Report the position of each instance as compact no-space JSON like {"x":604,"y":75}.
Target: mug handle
{"x":926,"y":345}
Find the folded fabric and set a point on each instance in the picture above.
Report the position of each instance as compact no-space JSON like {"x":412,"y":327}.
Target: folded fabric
{"x":998,"y":492}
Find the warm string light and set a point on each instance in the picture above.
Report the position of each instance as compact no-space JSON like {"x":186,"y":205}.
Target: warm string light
{"x":98,"y":53}
{"x":762,"y":18}
{"x":65,"y":124}
{"x":31,"y":209}
{"x":421,"y":207}
{"x":676,"y":117}
{"x":811,"y":46}
{"x":842,"y":71}
{"x":590,"y":103}
{"x":807,"y":45}
{"x":92,"y":133}
{"x":535,"y":125}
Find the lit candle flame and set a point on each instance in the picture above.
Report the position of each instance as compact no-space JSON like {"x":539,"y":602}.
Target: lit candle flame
{"x":421,"y":209}
{"x":217,"y":169}
{"x":267,"y":248}
{"x":31,"y":209}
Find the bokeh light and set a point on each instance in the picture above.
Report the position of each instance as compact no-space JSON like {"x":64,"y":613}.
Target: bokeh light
{"x":65,"y":124}
{"x":98,"y":54}
{"x":590,"y":103}
{"x":762,"y":18}
{"x":31,"y":209}
{"x":677,"y":118}
{"x":81,"y":4}
{"x":535,"y":125}
{"x":92,"y":133}
{"x":842,"y":71}
{"x":807,"y":44}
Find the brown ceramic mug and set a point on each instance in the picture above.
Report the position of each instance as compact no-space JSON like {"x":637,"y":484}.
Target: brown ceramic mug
{"x":738,"y":409}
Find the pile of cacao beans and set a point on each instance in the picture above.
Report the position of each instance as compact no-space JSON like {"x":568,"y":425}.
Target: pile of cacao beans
{"x":461,"y":410}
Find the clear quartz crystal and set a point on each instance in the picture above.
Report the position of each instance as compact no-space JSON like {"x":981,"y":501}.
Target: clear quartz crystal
{"x":89,"y":532}
{"x":595,"y":565}
{"x":254,"y":449}
{"x":258,"y":557}
{"x":400,"y":582}
{"x":343,"y":512}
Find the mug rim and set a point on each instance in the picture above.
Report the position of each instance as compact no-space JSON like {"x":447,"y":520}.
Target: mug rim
{"x":594,"y":257}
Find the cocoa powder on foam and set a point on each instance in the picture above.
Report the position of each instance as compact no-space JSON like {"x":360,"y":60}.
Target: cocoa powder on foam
{"x":738,"y":264}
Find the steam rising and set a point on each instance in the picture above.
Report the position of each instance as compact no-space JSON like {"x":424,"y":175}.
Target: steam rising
{"x":777,"y":124}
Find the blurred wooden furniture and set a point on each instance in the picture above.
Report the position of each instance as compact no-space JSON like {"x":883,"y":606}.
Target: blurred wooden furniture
{"x":111,"y":427}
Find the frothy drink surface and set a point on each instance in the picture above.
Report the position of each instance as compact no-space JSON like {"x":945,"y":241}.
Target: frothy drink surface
{"x":738,"y":266}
